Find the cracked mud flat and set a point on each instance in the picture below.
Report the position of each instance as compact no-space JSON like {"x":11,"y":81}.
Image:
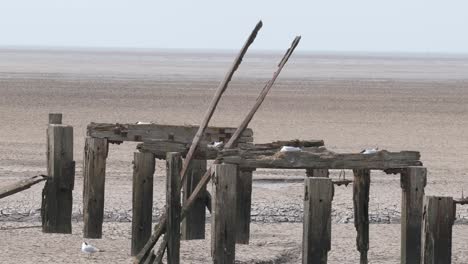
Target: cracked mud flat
{"x":350,"y":102}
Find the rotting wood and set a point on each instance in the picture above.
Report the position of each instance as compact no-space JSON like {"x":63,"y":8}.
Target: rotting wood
{"x":324,"y":173}
{"x":57,"y":194}
{"x":316,"y":158}
{"x":118,"y":133}
{"x":223,"y":226}
{"x":439,"y":216}
{"x":214,"y":102}
{"x":173,"y":207}
{"x":20,"y":185}
{"x":94,"y":173}
{"x":55,"y":118}
{"x":361,"y":186}
{"x":243,"y":206}
{"x":193,"y":226}
{"x":205,"y":179}
{"x":413,"y":180}
{"x":316,"y":239}
{"x":142,"y":202}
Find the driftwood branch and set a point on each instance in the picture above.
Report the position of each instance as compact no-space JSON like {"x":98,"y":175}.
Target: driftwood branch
{"x":205,"y":179}
{"x":21,"y":185}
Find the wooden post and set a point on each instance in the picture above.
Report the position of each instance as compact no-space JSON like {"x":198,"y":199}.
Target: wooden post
{"x":361,"y":185}
{"x":439,"y":215}
{"x":244,"y":202}
{"x":223,"y":226}
{"x":57,"y":197}
{"x":193,"y":226}
{"x":142,"y":202}
{"x":316,"y":239}
{"x":173,"y":207}
{"x":413,"y":181}
{"x":94,"y":173}
{"x":317,"y":173}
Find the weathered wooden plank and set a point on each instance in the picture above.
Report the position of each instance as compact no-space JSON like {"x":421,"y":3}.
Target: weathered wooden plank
{"x":321,"y":160}
{"x":193,"y":225}
{"x":413,"y":181}
{"x":55,"y":118}
{"x":173,"y":207}
{"x":142,"y":202}
{"x":20,"y":185}
{"x":323,"y":173}
{"x":94,"y":173}
{"x":244,"y":202}
{"x":160,"y":147}
{"x":361,"y":186}
{"x":316,"y":239}
{"x":439,"y":216}
{"x":147,"y":132}
{"x":223,"y":220}
{"x":57,"y":197}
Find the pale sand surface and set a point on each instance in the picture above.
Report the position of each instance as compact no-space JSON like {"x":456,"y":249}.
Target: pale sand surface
{"x":352,"y":102}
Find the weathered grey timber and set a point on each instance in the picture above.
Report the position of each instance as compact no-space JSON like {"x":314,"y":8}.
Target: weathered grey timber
{"x":55,"y":118}
{"x":173,"y":207}
{"x":244,"y":206}
{"x":20,"y":185}
{"x":319,"y":158}
{"x":160,"y":147}
{"x":439,"y":215}
{"x":316,"y":239}
{"x":323,"y":173}
{"x":94,"y":173}
{"x":223,"y":222}
{"x":193,"y":226}
{"x":117,"y":133}
{"x":57,"y":197}
{"x":361,"y":185}
{"x":142,"y":202}
{"x":413,"y":181}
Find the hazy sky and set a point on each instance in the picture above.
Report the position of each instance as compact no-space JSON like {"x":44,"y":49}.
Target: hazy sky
{"x":328,"y":25}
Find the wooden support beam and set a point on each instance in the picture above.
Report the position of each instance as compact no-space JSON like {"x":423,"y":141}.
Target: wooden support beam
{"x":316,"y":239}
{"x":319,"y":158}
{"x":94,"y":174}
{"x":244,"y":202}
{"x":20,"y":185}
{"x":193,"y":225}
{"x":439,"y":216}
{"x":160,"y":147}
{"x":223,"y":226}
{"x":361,"y":185}
{"x":55,"y":118}
{"x":117,"y":133}
{"x":323,"y":173}
{"x":142,"y":202}
{"x":413,"y":181}
{"x":57,"y":197}
{"x":173,"y":207}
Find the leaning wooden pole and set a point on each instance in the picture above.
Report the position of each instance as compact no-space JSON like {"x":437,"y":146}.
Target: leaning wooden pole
{"x":161,"y":228}
{"x":21,"y":185}
{"x":214,"y":102}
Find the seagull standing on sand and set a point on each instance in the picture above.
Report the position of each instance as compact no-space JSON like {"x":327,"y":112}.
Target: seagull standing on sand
{"x":89,"y":249}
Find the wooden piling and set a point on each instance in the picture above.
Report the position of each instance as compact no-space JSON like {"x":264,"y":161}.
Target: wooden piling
{"x":193,"y":225}
{"x":361,"y":185}
{"x":142,"y":202}
{"x":57,"y":197}
{"x":55,"y":118}
{"x":413,"y":181}
{"x":244,"y":202}
{"x":173,"y":207}
{"x":317,"y":173}
{"x":316,"y":239}
{"x":439,"y":215}
{"x":94,"y":173}
{"x":223,"y":226}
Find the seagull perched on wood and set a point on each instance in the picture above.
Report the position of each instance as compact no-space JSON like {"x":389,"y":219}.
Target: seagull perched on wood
{"x":370,"y":150}
{"x":290,"y":149}
{"x":89,"y":249}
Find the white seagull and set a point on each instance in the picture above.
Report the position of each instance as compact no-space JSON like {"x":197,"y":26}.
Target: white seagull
{"x":89,"y":249}
{"x":290,"y":149}
{"x":370,"y":150}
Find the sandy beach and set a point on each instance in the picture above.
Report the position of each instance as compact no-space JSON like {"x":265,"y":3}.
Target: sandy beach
{"x":391,"y":101}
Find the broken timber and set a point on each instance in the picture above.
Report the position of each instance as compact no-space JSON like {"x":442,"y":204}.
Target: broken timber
{"x":21,"y":185}
{"x":318,"y":158}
